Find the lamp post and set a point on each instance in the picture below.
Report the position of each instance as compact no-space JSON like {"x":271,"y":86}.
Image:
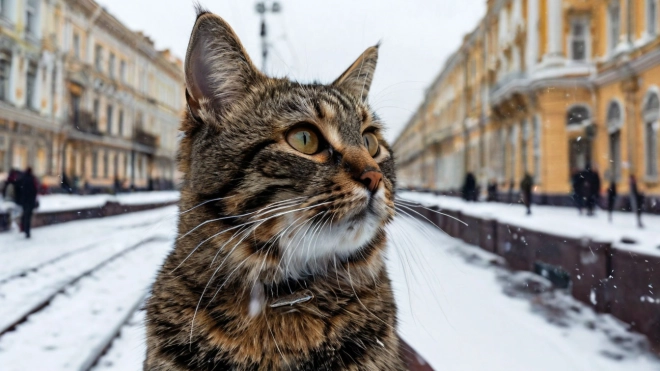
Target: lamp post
{"x":262,"y":8}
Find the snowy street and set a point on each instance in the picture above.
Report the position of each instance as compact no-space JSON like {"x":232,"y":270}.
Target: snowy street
{"x":70,"y":299}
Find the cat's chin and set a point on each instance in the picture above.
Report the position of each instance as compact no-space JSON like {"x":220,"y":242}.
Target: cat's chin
{"x":311,"y":252}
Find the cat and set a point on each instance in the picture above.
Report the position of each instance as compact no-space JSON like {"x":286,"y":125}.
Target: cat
{"x":286,"y":191}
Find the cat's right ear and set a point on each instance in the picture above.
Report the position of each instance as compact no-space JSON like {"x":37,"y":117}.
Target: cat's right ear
{"x":218,"y":70}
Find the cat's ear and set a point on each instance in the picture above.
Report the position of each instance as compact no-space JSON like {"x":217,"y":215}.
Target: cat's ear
{"x":217,"y":68}
{"x":356,"y":80}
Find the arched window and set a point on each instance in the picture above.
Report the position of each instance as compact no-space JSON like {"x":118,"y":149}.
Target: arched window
{"x":651,"y":114}
{"x":614,"y":122}
{"x":651,"y":17}
{"x":577,"y":115}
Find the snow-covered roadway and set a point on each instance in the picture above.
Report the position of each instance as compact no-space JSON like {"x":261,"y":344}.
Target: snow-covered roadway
{"x":457,"y":306}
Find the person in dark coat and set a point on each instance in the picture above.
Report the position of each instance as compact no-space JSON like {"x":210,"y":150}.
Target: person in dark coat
{"x":577,"y":183}
{"x":636,"y":200}
{"x":27,"y":197}
{"x":492,"y":191}
{"x":470,"y":187}
{"x":611,"y":199}
{"x":593,"y":194}
{"x":526,"y":189}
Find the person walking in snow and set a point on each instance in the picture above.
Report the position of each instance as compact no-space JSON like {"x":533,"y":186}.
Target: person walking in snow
{"x":592,"y":183}
{"x":27,"y":188}
{"x":611,"y":199}
{"x":526,"y":189}
{"x":636,"y":200}
{"x":470,"y":188}
{"x":577,"y":183}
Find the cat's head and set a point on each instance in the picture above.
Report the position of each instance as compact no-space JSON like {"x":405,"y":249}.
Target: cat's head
{"x":303,"y":171}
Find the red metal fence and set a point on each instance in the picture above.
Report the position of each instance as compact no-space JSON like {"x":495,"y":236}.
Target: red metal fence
{"x":609,"y":279}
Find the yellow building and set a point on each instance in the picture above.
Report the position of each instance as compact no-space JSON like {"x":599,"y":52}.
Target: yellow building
{"x":543,"y":87}
{"x":85,"y":99}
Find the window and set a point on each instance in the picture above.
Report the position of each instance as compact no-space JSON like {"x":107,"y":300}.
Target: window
{"x":120,"y":123}
{"x":5,"y":73}
{"x":652,"y":17}
{"x":111,"y":65}
{"x":31,"y":22}
{"x":105,"y":164}
{"x":524,"y":145}
{"x":614,"y":127}
{"x":122,"y":71}
{"x":536,"y":127}
{"x":651,"y":115}
{"x":95,"y":164}
{"x":53,"y":88}
{"x":109,"y":119}
{"x":4,"y":11}
{"x":31,"y":86}
{"x":513,"y":137}
{"x":579,"y":39}
{"x":614,"y":25}
{"x":97,"y":111}
{"x":75,"y":110}
{"x":577,"y":116}
{"x":98,"y":57}
{"x":76,"y":45}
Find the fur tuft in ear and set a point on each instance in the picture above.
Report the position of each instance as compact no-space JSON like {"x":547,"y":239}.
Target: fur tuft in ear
{"x":218,"y":70}
{"x":356,"y":80}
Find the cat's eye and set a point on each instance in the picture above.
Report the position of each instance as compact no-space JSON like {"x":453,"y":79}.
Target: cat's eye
{"x":371,"y":142}
{"x":303,"y":139}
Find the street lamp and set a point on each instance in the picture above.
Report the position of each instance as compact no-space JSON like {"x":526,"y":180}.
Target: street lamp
{"x":262,"y":8}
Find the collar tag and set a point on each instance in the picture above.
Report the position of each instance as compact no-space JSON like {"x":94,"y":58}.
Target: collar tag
{"x":293,"y":299}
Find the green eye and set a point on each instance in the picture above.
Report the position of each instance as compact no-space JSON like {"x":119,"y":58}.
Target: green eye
{"x":371,"y":142}
{"x":303,"y":140}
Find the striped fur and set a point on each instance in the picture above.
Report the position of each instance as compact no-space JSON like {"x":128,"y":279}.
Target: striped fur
{"x":278,"y":263}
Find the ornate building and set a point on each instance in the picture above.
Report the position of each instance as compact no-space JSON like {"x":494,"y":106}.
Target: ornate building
{"x":543,"y":87}
{"x":82,"y":96}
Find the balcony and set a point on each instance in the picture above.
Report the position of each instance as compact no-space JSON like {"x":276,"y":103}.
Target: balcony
{"x":142,"y":137}
{"x":85,"y":122}
{"x":512,"y":82}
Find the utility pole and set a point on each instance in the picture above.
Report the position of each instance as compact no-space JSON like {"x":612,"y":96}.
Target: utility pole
{"x":262,"y":8}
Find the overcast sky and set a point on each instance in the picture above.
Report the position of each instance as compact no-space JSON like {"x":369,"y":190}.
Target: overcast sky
{"x":317,"y":40}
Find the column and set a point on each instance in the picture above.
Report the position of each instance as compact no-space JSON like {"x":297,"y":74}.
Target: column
{"x":554,"y":54}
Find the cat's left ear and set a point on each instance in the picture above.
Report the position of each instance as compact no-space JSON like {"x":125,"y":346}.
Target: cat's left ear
{"x":356,"y":80}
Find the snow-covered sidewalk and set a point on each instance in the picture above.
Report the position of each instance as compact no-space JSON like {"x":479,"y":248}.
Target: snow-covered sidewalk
{"x":559,"y":221}
{"x":65,"y":202}
{"x":457,"y":306}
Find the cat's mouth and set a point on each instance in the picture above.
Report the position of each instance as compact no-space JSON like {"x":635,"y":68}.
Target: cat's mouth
{"x":328,"y":238}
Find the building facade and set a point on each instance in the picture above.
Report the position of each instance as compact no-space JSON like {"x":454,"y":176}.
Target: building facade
{"x":84,"y":99}
{"x":544,"y":87}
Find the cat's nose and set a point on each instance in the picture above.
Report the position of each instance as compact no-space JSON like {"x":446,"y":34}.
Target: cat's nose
{"x":371,"y":179}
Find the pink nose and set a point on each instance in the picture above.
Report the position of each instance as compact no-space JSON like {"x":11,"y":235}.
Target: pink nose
{"x":371,"y":179}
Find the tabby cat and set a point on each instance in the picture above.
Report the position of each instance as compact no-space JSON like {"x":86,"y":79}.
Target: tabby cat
{"x":287,"y":188}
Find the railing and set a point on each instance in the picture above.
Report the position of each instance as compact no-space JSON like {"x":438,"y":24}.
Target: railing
{"x":142,"y":137}
{"x":85,"y":122}
{"x":507,"y":79}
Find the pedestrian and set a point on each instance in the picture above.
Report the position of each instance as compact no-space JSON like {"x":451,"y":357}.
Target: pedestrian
{"x":492,"y":191}
{"x":577,"y":183}
{"x":526,"y":189}
{"x":27,"y":188}
{"x":611,"y":198}
{"x":592,"y":188}
{"x":470,"y":187}
{"x":636,"y":200}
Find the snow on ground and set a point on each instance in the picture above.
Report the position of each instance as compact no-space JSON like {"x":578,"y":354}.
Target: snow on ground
{"x":460,"y":311}
{"x":562,"y":221}
{"x":68,"y":332}
{"x":457,"y":306}
{"x":52,"y":242}
{"x":65,"y":202}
